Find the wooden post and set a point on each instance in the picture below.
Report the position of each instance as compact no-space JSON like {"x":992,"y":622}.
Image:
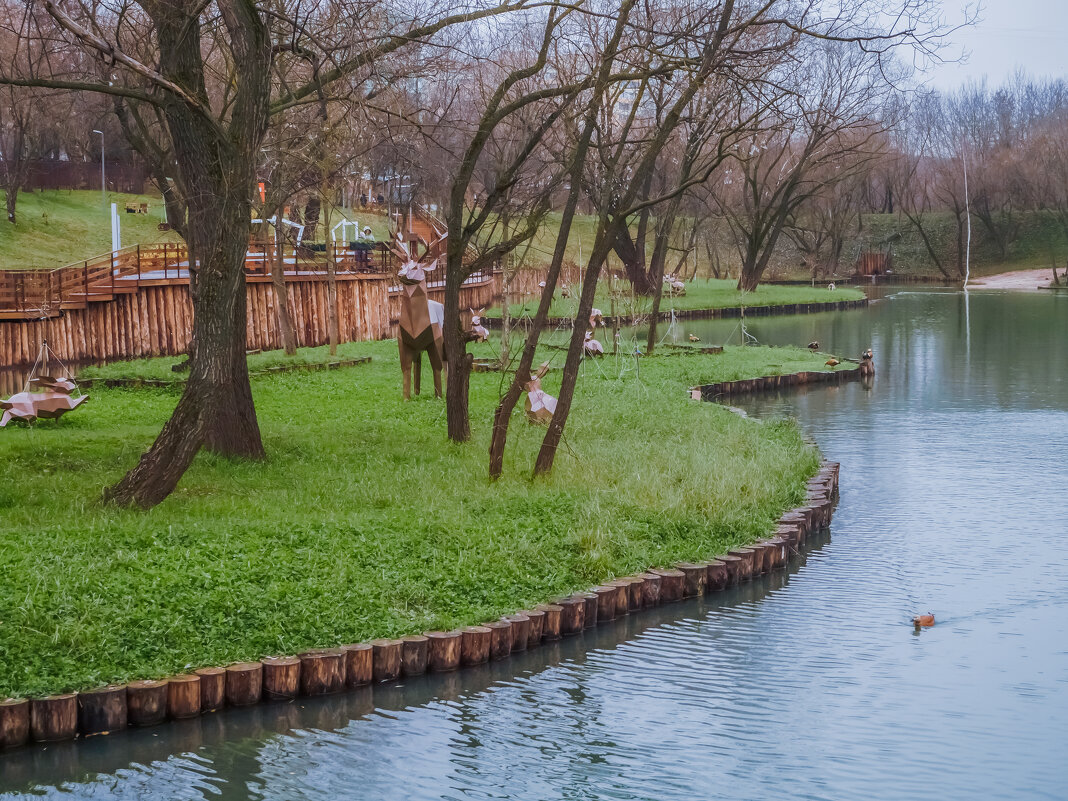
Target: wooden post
{"x":414,"y":655}
{"x":735,"y":567}
{"x":520,"y":630}
{"x":500,"y":638}
{"x":359,"y":664}
{"x":553,"y":620}
{"x":606,"y":603}
{"x":54,"y":718}
{"x":102,"y":711}
{"x":475,"y":645}
{"x":573,"y":617}
{"x":443,"y":650}
{"x":590,"y":614}
{"x":747,"y":556}
{"x":650,"y":589}
{"x":281,"y":678}
{"x":672,"y":584}
{"x":183,"y":696}
{"x":14,"y":722}
{"x":386,"y":659}
{"x":147,"y":702}
{"x":322,"y":671}
{"x":537,"y":626}
{"x":694,"y":583}
{"x":716,"y":576}
{"x":212,"y":688}
{"x":244,"y":683}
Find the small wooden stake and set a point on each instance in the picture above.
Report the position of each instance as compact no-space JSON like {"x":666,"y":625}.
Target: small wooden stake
{"x":500,"y":638}
{"x":183,"y":696}
{"x":650,"y":589}
{"x":244,"y":683}
{"x":359,"y":664}
{"x":606,"y":603}
{"x":147,"y":702}
{"x":281,"y":678}
{"x":14,"y":722}
{"x":537,"y":626}
{"x":54,"y":718}
{"x":672,"y":584}
{"x":475,"y":645}
{"x":573,"y":617}
{"x":735,"y":568}
{"x":386,"y":659}
{"x":212,"y":688}
{"x":322,"y":671}
{"x":635,"y":592}
{"x":746,"y":556}
{"x":553,"y":621}
{"x":716,"y":577}
{"x":694,"y":583}
{"x":590,"y":613}
{"x":520,"y":631}
{"x":102,"y":711}
{"x":444,"y":649}
{"x":414,"y":655}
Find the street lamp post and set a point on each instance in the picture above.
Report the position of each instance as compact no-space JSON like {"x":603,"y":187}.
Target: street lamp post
{"x":103,"y":182}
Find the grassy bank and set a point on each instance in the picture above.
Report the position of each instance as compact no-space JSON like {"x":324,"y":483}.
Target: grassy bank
{"x":364,"y":521}
{"x":700,"y":294}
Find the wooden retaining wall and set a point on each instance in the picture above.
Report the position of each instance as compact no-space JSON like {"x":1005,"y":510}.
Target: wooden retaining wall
{"x":156,"y":320}
{"x":769,"y":383}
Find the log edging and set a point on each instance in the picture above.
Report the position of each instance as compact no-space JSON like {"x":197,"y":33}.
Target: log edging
{"x":770,"y":383}
{"x":698,"y":314}
{"x":274,"y":678}
{"x":88,"y":383}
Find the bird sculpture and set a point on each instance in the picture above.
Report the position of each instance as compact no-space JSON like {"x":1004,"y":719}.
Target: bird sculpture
{"x":813,"y":345}
{"x":832,"y":362}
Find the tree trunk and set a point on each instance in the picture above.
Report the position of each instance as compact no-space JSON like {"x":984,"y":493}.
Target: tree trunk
{"x":311,"y":216}
{"x":278,"y":283}
{"x":457,"y":381}
{"x":12,"y":191}
{"x":216,"y":408}
{"x":333,"y":326}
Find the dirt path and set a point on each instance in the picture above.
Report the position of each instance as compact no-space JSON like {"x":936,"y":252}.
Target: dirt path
{"x":1021,"y":279}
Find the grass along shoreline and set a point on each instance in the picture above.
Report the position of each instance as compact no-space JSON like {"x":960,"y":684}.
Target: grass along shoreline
{"x":365,"y":522}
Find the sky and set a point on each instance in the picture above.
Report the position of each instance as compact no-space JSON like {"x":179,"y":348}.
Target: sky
{"x":1032,"y":34}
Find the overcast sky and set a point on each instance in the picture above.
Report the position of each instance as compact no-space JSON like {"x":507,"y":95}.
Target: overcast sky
{"x":1032,"y":34}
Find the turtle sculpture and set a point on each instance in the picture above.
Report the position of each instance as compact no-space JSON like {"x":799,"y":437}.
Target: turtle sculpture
{"x":421,"y":319}
{"x":44,"y":397}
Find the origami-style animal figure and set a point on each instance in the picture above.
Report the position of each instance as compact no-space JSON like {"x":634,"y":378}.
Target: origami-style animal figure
{"x":831,"y":286}
{"x":867,"y":366}
{"x":591,"y":347}
{"x":480,"y":331}
{"x":51,"y":401}
{"x":596,"y":318}
{"x":565,"y":291}
{"x":421,"y":320}
{"x":674,"y":284}
{"x":540,"y":405}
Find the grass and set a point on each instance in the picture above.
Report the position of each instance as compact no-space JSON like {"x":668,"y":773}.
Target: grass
{"x":700,"y":294}
{"x":365,"y":521}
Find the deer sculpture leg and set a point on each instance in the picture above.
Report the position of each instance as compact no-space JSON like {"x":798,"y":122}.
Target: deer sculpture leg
{"x":434,"y":352}
{"x":418,"y":357}
{"x":406,"y":369}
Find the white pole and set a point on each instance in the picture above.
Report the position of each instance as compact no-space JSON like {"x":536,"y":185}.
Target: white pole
{"x":116,"y":228}
{"x":968,"y":221}
{"x":103,"y":179}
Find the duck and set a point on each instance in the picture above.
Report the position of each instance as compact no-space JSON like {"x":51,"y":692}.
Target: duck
{"x":923,"y":621}
{"x":694,"y":338}
{"x":832,"y":362}
{"x":813,"y":345}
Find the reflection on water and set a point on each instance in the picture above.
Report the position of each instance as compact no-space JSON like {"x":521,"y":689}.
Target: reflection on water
{"x":808,"y":685}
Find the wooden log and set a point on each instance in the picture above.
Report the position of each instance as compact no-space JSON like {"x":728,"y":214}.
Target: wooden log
{"x":746,"y":556}
{"x":444,"y":650}
{"x":322,"y":671}
{"x":694,"y":579}
{"x":650,"y":588}
{"x":244,"y":683}
{"x":147,"y":702}
{"x":500,"y":638}
{"x":672,"y":584}
{"x":14,"y":722}
{"x":386,"y":655}
{"x":791,"y":535}
{"x":606,"y":603}
{"x":735,"y":567}
{"x":359,"y":664}
{"x":778,"y":553}
{"x":183,"y":696}
{"x":590,"y":613}
{"x":622,"y":597}
{"x":758,"y":558}
{"x":716,"y":578}
{"x":281,"y":678}
{"x":54,"y":718}
{"x":537,"y":626}
{"x":414,"y":654}
{"x":573,"y":616}
{"x":212,"y":688}
{"x":635,"y":592}
{"x":798,"y":519}
{"x":553,"y":620}
{"x":520,"y":630}
{"x":475,"y":645}
{"x":102,"y":711}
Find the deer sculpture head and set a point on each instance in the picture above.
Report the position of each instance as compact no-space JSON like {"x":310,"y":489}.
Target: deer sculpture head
{"x":421,"y":318}
{"x":480,"y":332}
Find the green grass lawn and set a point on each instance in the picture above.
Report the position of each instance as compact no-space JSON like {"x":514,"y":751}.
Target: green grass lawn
{"x":700,"y":294}
{"x":364,"y":521}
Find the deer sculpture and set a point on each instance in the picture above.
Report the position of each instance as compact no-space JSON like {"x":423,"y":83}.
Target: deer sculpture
{"x":479,"y":331}
{"x":540,"y":405}
{"x":591,"y":347}
{"x":675,"y":285}
{"x":421,"y":319}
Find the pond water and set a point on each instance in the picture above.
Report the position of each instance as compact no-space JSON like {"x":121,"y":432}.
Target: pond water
{"x":809,"y":684}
